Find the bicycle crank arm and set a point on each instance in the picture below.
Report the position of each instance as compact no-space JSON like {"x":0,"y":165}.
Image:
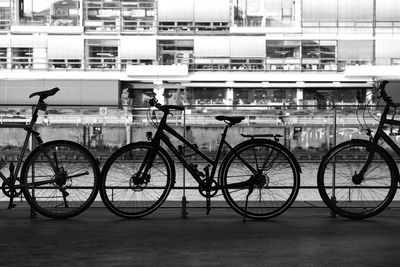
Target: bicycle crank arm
{"x":241,"y":185}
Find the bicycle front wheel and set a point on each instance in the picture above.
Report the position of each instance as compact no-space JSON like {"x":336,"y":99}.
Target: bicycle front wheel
{"x":60,"y":179}
{"x":278,"y":178}
{"x":351,"y":194}
{"x":129,"y":193}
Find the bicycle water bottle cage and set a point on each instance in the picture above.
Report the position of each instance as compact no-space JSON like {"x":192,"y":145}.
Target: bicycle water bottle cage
{"x":252,"y":136}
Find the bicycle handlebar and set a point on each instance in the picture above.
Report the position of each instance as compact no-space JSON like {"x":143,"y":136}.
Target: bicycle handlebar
{"x":164,"y":108}
{"x":383,"y":93}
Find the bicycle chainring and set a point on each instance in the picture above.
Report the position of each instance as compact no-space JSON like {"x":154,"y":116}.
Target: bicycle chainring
{"x":6,"y":187}
{"x":212,"y":189}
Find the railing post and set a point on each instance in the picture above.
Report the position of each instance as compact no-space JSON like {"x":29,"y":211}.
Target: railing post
{"x":31,"y":146}
{"x":184,"y":202}
{"x":333,"y":197}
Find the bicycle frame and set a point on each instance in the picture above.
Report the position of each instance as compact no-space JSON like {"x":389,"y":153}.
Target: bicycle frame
{"x":15,"y":170}
{"x":161,"y":136}
{"x":380,"y":134}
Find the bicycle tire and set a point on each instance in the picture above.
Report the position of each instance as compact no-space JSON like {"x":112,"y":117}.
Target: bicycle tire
{"x":67,"y":194}
{"x":122,"y":195}
{"x":351,"y":198}
{"x":282,"y":178}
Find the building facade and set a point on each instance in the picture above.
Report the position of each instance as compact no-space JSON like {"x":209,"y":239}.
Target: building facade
{"x":240,"y":52}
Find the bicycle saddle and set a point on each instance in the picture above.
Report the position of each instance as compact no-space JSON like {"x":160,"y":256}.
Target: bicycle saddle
{"x":231,"y":119}
{"x":44,"y":94}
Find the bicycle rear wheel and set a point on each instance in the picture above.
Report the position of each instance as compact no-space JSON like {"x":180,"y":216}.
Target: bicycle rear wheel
{"x":349,"y":194}
{"x":66,"y":192}
{"x":278,"y":178}
{"x":130,"y":194}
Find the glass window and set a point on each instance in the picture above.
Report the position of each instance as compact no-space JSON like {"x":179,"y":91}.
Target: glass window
{"x":323,"y":97}
{"x":212,"y":96}
{"x":49,"y":12}
{"x":176,"y":52}
{"x":65,"y":63}
{"x":260,"y":96}
{"x":102,"y":15}
{"x":3,"y":57}
{"x":249,"y":64}
{"x":264,"y":13}
{"x":283,"y":49}
{"x":207,"y":63}
{"x":101,"y":54}
{"x":179,"y":96}
{"x":121,"y":15}
{"x":5,"y":14}
{"x":125,"y":62}
{"x":138,"y":15}
{"x":319,"y":55}
{"x":283,"y":55}
{"x":21,"y":57}
{"x":134,"y":94}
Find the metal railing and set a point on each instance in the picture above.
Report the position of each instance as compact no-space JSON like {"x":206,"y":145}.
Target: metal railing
{"x":308,"y":131}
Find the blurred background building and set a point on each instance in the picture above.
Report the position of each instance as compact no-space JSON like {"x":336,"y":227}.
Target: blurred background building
{"x":276,"y":52}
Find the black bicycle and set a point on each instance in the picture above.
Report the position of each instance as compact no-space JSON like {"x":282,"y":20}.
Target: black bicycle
{"x":358,"y":179}
{"x":59,"y":179}
{"x":259,"y":178}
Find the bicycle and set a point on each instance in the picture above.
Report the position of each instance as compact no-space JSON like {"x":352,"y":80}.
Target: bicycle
{"x":59,"y":179}
{"x":358,"y":179}
{"x":259,"y":178}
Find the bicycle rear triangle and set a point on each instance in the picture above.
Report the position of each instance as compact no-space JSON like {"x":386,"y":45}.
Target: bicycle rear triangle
{"x":259,"y":178}
{"x":59,"y":179}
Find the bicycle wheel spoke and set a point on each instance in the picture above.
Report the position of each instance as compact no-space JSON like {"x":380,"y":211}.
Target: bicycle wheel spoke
{"x":128,"y":193}
{"x":276,"y":179}
{"x":65,"y":192}
{"x":357,"y":195}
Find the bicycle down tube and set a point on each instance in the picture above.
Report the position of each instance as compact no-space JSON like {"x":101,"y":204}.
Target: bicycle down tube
{"x":161,"y":136}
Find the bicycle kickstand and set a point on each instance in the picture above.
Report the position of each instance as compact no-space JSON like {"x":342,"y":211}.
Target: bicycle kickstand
{"x":208,"y":203}
{"x":11,"y":204}
{"x":247,"y":200}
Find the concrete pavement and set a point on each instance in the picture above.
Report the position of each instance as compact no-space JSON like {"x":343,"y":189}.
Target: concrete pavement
{"x":299,"y":237}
